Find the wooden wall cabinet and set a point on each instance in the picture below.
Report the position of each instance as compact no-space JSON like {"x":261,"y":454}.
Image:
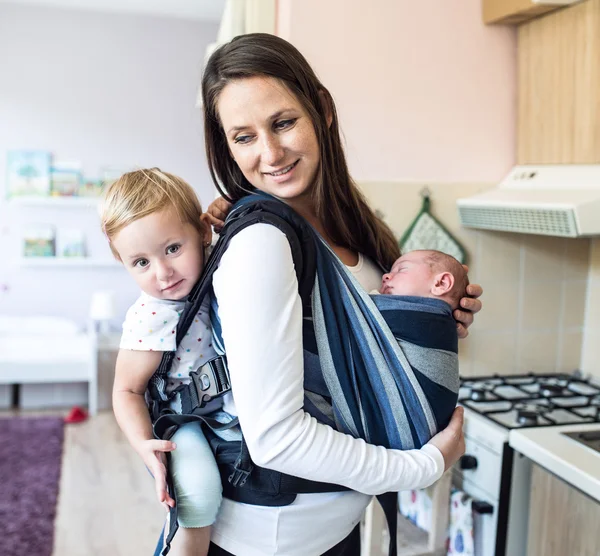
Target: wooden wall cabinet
{"x":562,"y":520}
{"x":511,"y":12}
{"x":559,"y":87}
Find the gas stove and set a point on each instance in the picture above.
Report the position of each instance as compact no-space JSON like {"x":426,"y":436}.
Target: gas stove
{"x":532,"y":400}
{"x":495,"y":476}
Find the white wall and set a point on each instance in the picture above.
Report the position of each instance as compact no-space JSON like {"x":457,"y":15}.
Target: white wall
{"x":105,"y":89}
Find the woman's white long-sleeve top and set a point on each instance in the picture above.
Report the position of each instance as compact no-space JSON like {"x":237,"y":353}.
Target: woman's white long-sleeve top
{"x":261,"y":319}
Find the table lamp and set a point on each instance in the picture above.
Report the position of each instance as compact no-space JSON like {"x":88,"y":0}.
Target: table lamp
{"x":102,"y":310}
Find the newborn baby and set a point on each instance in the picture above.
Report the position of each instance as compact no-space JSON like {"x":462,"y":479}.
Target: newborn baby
{"x":427,"y":274}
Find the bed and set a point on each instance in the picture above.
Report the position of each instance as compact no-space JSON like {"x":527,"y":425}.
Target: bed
{"x":38,"y":350}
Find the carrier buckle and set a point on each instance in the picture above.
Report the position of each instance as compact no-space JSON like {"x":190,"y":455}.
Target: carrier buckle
{"x":239,"y":476}
{"x":211,"y":380}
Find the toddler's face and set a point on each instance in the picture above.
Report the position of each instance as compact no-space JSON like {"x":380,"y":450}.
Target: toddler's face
{"x":411,"y":274}
{"x":163,"y":255}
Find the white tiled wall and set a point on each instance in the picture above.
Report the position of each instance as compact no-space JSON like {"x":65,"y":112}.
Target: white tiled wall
{"x":591,"y":338}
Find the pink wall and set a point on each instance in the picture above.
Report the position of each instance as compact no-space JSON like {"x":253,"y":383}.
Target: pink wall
{"x":424,"y":90}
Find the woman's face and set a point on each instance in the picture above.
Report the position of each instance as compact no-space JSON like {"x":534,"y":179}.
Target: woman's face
{"x":270,"y":136}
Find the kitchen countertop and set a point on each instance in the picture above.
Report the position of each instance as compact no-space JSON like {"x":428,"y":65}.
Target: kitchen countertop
{"x":569,"y":460}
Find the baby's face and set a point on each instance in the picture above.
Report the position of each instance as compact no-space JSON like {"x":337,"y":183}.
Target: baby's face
{"x":162,"y":254}
{"x":410,"y":275}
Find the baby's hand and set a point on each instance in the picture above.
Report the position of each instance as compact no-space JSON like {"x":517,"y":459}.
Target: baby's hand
{"x":153,"y":454}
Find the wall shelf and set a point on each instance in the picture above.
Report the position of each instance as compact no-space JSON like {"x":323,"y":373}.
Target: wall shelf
{"x":67,"y":262}
{"x":66,"y":202}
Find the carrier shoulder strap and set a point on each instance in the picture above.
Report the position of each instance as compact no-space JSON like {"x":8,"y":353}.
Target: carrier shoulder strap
{"x":258,"y":209}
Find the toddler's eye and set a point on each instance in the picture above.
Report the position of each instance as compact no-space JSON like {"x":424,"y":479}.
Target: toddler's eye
{"x":172,"y":249}
{"x":141,"y":263}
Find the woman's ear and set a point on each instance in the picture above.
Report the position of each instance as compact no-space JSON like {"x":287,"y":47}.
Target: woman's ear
{"x":326,"y":103}
{"x":442,"y":283}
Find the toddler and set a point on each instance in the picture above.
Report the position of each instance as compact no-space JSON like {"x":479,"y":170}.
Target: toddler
{"x":427,"y":273}
{"x":155,"y":227}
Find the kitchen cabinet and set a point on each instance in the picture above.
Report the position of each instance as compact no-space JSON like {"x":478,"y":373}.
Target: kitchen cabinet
{"x":559,"y":87}
{"x":562,"y":519}
{"x":517,"y":11}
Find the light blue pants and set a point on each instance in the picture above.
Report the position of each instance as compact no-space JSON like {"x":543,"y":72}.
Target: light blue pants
{"x":196,"y":478}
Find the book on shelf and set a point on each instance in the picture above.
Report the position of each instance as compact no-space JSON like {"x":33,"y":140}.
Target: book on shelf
{"x":65,"y":178}
{"x":27,"y":173}
{"x":70,"y":243}
{"x":39,"y":241}
{"x":91,"y":187}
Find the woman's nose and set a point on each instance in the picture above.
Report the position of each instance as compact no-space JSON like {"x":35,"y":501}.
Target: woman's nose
{"x":272,"y":152}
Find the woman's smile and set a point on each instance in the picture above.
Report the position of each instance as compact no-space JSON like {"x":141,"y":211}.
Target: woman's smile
{"x":283,"y":174}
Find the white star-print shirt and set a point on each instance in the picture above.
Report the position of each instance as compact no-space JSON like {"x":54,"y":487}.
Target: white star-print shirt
{"x":151,"y":325}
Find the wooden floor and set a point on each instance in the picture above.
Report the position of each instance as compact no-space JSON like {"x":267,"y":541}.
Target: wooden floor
{"x":106,"y":504}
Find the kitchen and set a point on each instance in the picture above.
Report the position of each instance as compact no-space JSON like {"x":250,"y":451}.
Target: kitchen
{"x":499,"y":91}
{"x":541,"y":299}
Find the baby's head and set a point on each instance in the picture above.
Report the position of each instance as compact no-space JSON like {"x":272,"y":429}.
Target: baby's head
{"x":427,"y":274}
{"x":153,"y":222}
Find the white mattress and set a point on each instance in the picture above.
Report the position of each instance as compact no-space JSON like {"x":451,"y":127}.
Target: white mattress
{"x":44,"y":349}
{"x":30,"y":349}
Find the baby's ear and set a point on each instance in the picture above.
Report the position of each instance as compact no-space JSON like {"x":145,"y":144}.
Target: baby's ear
{"x":207,"y":229}
{"x":442,"y":283}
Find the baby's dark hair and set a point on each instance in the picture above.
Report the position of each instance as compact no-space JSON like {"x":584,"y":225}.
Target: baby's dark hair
{"x":441,"y":262}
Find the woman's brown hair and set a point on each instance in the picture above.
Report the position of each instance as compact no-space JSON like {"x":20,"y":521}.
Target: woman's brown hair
{"x":339,"y":204}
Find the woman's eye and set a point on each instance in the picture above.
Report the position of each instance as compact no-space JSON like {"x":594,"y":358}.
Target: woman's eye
{"x":172,"y":249}
{"x":242,"y":139}
{"x":283,"y":124}
{"x":141,"y":263}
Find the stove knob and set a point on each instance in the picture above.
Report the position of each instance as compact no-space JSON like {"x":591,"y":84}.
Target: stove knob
{"x":482,"y":507}
{"x":468,"y":462}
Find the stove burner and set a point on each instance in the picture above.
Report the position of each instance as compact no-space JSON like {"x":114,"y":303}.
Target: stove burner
{"x":533,"y":400}
{"x":527,"y":414}
{"x":478,"y":394}
{"x":549,"y":389}
{"x":526,"y":417}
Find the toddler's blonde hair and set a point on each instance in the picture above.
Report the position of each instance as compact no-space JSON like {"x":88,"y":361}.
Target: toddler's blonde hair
{"x":142,"y":192}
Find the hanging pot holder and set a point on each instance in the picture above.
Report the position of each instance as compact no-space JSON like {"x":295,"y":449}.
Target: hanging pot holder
{"x":426,"y":232}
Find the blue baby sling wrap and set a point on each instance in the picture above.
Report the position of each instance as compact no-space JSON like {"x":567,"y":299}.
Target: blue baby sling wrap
{"x":379,"y":367}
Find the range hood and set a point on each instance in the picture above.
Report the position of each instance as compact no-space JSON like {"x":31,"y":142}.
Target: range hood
{"x":551,"y":199}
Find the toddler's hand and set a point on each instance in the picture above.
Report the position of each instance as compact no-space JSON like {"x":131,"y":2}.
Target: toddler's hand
{"x":153,"y":454}
{"x":451,"y":441}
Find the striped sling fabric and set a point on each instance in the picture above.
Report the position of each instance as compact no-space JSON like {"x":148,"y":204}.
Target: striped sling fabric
{"x":390,"y":362}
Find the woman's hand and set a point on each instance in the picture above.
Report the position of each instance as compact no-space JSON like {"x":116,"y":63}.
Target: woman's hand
{"x":451,"y":441}
{"x":468,"y":307}
{"x":216,"y":213}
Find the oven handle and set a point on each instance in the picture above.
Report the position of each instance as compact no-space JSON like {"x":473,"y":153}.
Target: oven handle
{"x":481,"y":507}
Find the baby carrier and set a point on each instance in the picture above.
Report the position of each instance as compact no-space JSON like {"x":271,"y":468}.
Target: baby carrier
{"x":376,"y":367}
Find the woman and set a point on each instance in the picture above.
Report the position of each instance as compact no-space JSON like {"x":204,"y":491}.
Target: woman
{"x":270,"y":125}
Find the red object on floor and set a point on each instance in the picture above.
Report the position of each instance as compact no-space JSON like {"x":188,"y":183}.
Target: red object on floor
{"x":76,"y":415}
